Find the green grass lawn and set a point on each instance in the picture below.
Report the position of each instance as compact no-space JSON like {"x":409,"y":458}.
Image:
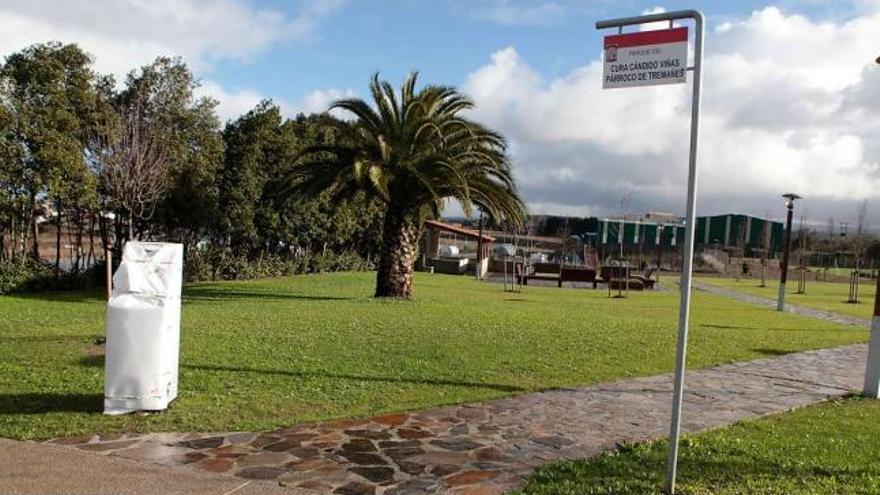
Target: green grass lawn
{"x":261,"y":354}
{"x":830,"y":296}
{"x":830,"y":448}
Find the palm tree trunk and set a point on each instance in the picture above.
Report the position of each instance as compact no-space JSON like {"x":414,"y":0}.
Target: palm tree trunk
{"x":400,"y":236}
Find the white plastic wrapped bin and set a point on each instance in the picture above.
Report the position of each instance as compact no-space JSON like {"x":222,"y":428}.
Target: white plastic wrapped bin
{"x":143,"y":329}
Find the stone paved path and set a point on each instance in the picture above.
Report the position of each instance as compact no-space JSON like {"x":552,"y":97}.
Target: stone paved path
{"x":28,"y":468}
{"x":790,"y":308}
{"x":487,"y":448}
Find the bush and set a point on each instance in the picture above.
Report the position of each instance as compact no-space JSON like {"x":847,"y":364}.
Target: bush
{"x":25,"y":276}
{"x":196,"y":266}
{"x":30,"y":275}
{"x":211,"y":264}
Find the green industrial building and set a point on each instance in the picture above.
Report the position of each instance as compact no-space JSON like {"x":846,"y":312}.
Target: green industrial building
{"x":719,"y":231}
{"x":638,"y":233}
{"x":740,"y":231}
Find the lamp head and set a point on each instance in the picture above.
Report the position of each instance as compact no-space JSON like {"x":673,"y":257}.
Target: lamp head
{"x":789,"y":199}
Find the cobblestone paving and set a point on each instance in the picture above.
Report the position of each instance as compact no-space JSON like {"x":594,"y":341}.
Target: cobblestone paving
{"x":486,"y":448}
{"x":790,"y":308}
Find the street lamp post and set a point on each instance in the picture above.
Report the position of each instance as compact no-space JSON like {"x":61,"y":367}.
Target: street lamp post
{"x":789,"y":203}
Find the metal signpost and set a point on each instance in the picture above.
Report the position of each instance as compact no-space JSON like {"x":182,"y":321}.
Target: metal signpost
{"x":872,"y":369}
{"x":649,"y":58}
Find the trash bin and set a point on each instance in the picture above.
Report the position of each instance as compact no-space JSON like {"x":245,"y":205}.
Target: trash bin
{"x":143,"y":329}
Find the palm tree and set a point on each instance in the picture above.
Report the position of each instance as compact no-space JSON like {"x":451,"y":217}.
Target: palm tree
{"x":413,"y":151}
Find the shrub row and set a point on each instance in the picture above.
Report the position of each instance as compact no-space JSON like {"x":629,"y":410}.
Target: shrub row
{"x":216,"y":264}
{"x":30,"y":275}
{"x":200,"y":265}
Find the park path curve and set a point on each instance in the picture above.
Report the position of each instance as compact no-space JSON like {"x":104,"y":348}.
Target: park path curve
{"x":817,"y":314}
{"x":487,"y":448}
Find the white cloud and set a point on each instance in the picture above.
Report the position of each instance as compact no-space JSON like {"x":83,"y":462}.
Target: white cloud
{"x":231,"y":104}
{"x":320,"y":100}
{"x":651,"y":26}
{"x":789,"y":104}
{"x":821,"y":55}
{"x":125,"y":34}
{"x":234,"y":103}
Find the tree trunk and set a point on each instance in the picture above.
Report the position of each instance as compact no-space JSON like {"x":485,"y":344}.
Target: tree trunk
{"x":91,"y":256}
{"x":57,"y":239}
{"x":104,"y":232}
{"x":118,"y":236}
{"x":400,"y":236}
{"x":35,"y":252}
{"x":14,"y":232}
{"x":78,"y":251}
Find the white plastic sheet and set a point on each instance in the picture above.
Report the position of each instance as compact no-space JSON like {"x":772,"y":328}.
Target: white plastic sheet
{"x":143,"y":329}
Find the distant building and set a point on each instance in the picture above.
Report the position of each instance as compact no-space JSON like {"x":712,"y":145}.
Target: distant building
{"x":740,"y":231}
{"x":661,"y":217}
{"x":654,"y":231}
{"x":718,"y":231}
{"x":614,"y":231}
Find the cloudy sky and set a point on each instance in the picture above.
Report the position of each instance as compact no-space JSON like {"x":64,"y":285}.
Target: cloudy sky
{"x":791,"y":90}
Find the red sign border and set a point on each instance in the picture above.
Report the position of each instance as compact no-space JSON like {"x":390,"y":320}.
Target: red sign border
{"x":658,"y":37}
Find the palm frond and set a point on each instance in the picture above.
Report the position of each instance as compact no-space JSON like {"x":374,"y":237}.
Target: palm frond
{"x":413,"y":148}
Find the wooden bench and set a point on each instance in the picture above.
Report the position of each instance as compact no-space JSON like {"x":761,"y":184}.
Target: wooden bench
{"x":553,"y":273}
{"x":616,"y":277}
{"x":646,"y":282}
{"x":624,"y":284}
{"x":609,"y":273}
{"x":577,"y":274}
{"x":543,"y":271}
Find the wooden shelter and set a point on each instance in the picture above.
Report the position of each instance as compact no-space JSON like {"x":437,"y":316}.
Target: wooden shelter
{"x":436,"y":229}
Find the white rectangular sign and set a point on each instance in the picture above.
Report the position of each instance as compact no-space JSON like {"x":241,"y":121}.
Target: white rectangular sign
{"x":645,"y":58}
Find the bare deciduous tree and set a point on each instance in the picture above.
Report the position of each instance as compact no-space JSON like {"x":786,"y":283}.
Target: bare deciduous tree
{"x":860,"y":241}
{"x":765,"y":249}
{"x":742,"y":267}
{"x":134,"y":165}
